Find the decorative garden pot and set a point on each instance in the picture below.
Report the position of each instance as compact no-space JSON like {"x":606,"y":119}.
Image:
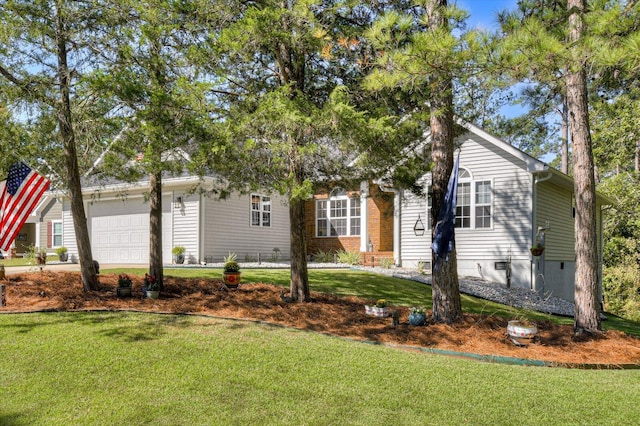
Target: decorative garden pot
{"x":521,"y":333}
{"x":124,"y":291}
{"x":144,"y":291}
{"x":231,"y":279}
{"x":153,"y":294}
{"x":178,"y":259}
{"x":536,"y":251}
{"x":63,"y":257}
{"x":416,"y":318}
{"x":374,"y":311}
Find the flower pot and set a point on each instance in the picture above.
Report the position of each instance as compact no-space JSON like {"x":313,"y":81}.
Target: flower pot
{"x":124,"y":291}
{"x":536,"y":251}
{"x":374,"y":311}
{"x":153,"y":294}
{"x":231,"y":279}
{"x":178,"y":259}
{"x":416,"y":318}
{"x":144,"y":291}
{"x":521,"y":333}
{"x":63,"y":257}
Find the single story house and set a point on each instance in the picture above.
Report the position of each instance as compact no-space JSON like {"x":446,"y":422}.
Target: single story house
{"x":250,"y":225}
{"x":507,"y":202}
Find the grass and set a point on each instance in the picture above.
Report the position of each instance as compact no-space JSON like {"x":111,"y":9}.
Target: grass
{"x":126,"y":368}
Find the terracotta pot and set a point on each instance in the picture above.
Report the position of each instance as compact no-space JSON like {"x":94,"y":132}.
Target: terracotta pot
{"x":232,"y":279}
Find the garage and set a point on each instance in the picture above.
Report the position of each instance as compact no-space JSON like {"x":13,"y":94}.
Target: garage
{"x":120,"y":230}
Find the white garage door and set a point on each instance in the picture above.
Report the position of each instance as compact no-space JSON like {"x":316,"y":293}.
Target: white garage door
{"x":120,"y":231}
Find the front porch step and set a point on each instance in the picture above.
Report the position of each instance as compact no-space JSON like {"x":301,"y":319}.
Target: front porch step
{"x":373,"y":258}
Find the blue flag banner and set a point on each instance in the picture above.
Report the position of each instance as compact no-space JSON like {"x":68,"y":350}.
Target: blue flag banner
{"x":444,"y":235}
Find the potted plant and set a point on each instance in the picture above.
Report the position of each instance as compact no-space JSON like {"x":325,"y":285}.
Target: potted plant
{"x":417,"y":316}
{"x":537,"y":249}
{"x":521,"y":331}
{"x":151,"y":286}
{"x":178,"y":254}
{"x":63,"y":256}
{"x":124,"y":285}
{"x":231,"y":274}
{"x":380,"y":309}
{"x":41,"y":256}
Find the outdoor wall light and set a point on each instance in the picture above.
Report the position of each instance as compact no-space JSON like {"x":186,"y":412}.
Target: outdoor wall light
{"x":418,"y":228}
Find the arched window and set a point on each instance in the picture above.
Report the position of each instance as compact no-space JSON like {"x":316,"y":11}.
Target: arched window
{"x":474,"y":204}
{"x":339,"y":215}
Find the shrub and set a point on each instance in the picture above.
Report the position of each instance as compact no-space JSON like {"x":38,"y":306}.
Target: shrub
{"x":621,"y":285}
{"x":386,"y":263}
{"x":323,"y":256}
{"x":349,"y":257}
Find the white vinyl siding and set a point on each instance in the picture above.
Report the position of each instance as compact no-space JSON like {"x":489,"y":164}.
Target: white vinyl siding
{"x":226,"y":226}
{"x":555,"y":207}
{"x":185,"y":225}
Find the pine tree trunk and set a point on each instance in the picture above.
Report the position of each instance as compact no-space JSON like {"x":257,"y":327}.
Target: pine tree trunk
{"x":447,"y":306}
{"x":587,"y":308}
{"x":155,"y":227}
{"x":87,"y":269}
{"x":299,"y":274}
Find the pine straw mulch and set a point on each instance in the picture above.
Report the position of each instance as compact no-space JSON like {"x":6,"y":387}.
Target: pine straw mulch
{"x":341,"y":316}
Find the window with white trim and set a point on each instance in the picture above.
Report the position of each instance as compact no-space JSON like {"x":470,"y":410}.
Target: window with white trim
{"x":338,"y":216}
{"x":56,"y":233}
{"x":260,"y":210}
{"x":474,"y":203}
{"x":483,"y":204}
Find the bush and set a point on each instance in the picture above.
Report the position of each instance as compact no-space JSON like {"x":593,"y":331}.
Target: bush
{"x":323,"y":256}
{"x":621,"y":286}
{"x":386,"y":263}
{"x":349,"y":257}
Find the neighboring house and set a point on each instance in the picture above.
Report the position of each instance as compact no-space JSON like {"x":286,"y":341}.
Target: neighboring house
{"x":118,"y":223}
{"x":43,"y":227}
{"x":507,"y":200}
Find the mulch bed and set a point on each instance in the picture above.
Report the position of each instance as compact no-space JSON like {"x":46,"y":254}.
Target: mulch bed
{"x":340,"y":316}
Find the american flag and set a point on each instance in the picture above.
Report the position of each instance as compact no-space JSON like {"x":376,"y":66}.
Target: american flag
{"x":19,"y":195}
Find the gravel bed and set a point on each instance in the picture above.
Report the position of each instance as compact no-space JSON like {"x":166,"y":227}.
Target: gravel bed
{"x":514,"y":296}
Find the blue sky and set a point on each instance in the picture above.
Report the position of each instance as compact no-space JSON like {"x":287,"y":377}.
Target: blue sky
{"x":484,"y":12}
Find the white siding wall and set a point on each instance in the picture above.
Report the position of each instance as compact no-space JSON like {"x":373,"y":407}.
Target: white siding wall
{"x":54,"y":212}
{"x":227,"y":227}
{"x":414,"y":249}
{"x":68,"y":233}
{"x":479,"y":249}
{"x":186,"y":225}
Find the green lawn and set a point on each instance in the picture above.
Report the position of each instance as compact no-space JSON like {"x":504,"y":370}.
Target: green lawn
{"x":134,"y":369}
{"x":131,"y":368}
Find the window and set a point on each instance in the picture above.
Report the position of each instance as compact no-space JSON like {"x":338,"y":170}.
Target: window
{"x":338,"y":216}
{"x":483,"y":204}
{"x":473,"y":209}
{"x":260,"y":210}
{"x":56,"y":233}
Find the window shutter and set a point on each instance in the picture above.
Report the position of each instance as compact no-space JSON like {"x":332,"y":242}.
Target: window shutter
{"x":49,"y":234}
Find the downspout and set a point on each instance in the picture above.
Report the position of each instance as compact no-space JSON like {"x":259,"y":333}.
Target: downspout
{"x":537,"y":178}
